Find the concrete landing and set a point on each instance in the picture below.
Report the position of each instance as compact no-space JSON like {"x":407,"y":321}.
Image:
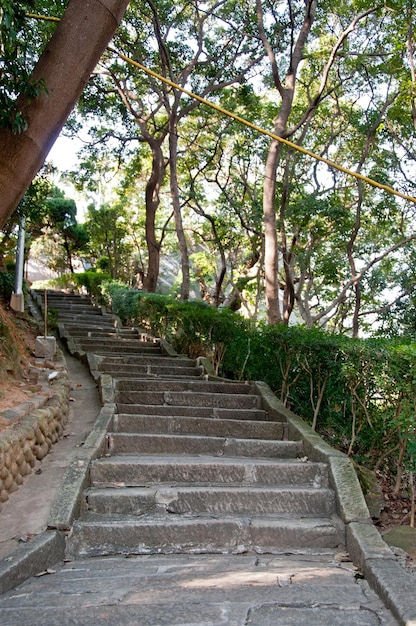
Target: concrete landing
{"x":313,"y":590}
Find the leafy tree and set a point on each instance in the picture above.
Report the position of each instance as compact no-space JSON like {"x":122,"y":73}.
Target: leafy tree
{"x":63,"y":228}
{"x":207,"y":48}
{"x":75,"y":48}
{"x":109,"y":242}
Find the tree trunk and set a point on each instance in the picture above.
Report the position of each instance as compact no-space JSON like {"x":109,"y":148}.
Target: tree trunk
{"x":270,"y":236}
{"x":286,"y":91}
{"x":65,"y":65}
{"x":174,"y":190}
{"x":152,"y":202}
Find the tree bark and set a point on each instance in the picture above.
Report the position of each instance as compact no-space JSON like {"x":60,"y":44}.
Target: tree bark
{"x":174,"y":190}
{"x":152,"y":202}
{"x":65,"y":65}
{"x":286,"y":91}
{"x":270,"y":236}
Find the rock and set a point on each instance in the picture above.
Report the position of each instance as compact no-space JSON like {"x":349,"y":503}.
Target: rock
{"x":403,"y":537}
{"x":371,"y":490}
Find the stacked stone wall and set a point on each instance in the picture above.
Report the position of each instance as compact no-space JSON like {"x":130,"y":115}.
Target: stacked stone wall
{"x":29,"y":437}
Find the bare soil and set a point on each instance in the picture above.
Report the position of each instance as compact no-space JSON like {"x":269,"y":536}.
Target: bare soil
{"x":17,"y":342}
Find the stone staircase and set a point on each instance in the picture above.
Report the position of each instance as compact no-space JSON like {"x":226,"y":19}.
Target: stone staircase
{"x":194,"y":464}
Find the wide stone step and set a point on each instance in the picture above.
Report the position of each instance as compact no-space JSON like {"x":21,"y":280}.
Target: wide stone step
{"x":173,"y":534}
{"x":186,"y":398}
{"x":100,"y":348}
{"x":93,"y":320}
{"x":192,"y":411}
{"x":60,"y":303}
{"x":56,"y":296}
{"x":132,"y":471}
{"x":213,"y":500}
{"x":148,"y":360}
{"x":118,"y":342}
{"x":132,"y":423}
{"x":67,"y":309}
{"x":135,"y":371}
{"x":190,"y":387}
{"x":101,"y":330}
{"x":138,"y":443}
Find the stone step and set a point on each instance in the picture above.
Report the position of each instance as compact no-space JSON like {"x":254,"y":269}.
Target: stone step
{"x":67,"y":309}
{"x":138,"y":443}
{"x":185,"y":398}
{"x":211,"y":500}
{"x":93,"y":320}
{"x":103,"y":348}
{"x":132,"y":471}
{"x":119,"y":342}
{"x":133,"y":423}
{"x":192,"y":411}
{"x":138,"y":371}
{"x":191,"y":387}
{"x":148,"y":359}
{"x":62,"y":297}
{"x":78,"y":332}
{"x":173,"y":534}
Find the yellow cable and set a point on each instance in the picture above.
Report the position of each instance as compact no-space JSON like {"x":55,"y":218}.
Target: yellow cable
{"x":245,"y":122}
{"x":45,"y":18}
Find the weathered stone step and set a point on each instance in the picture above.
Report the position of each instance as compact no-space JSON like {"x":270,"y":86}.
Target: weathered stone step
{"x":101,"y":348}
{"x":185,"y":398}
{"x":213,"y":500}
{"x":192,"y":411}
{"x":78,"y":332}
{"x":135,"y":371}
{"x":173,"y":534}
{"x":138,"y":443}
{"x":56,"y":297}
{"x":146,"y":360}
{"x":93,"y":319}
{"x":132,"y":471}
{"x":66,"y":309}
{"x":191,"y":387}
{"x":125,"y":422}
{"x":119,"y":342}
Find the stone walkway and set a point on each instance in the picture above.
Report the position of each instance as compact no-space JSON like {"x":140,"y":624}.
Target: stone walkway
{"x":309,"y":584}
{"x":197,"y":590}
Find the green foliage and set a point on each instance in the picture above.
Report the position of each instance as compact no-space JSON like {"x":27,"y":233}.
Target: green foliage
{"x":89,"y":282}
{"x":6,"y":284}
{"x":193,"y":328}
{"x":16,"y":60}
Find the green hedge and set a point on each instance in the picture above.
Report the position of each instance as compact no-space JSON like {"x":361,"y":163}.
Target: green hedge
{"x":360,"y":394}
{"x":89,"y":281}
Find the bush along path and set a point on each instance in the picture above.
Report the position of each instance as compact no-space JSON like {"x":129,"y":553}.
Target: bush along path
{"x":229,"y":508}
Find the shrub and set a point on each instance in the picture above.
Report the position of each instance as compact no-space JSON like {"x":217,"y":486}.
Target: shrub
{"x":6,"y":284}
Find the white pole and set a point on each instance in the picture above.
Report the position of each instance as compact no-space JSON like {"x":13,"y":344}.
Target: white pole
{"x":17,"y":301}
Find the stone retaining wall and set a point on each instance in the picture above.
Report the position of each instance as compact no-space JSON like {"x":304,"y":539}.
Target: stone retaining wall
{"x":33,"y":428}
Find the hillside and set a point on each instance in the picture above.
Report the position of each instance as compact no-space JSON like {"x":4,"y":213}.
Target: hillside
{"x":17,"y":341}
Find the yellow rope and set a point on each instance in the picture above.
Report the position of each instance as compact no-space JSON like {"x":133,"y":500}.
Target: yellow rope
{"x":245,"y":122}
{"x":45,"y":18}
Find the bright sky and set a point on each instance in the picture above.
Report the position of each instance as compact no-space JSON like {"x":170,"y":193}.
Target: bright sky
{"x":63,"y":153}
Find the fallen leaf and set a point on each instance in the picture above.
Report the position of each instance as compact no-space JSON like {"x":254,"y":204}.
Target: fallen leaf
{"x":45,"y":572}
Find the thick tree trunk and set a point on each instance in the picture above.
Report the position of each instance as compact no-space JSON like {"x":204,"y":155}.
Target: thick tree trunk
{"x":66,"y":65}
